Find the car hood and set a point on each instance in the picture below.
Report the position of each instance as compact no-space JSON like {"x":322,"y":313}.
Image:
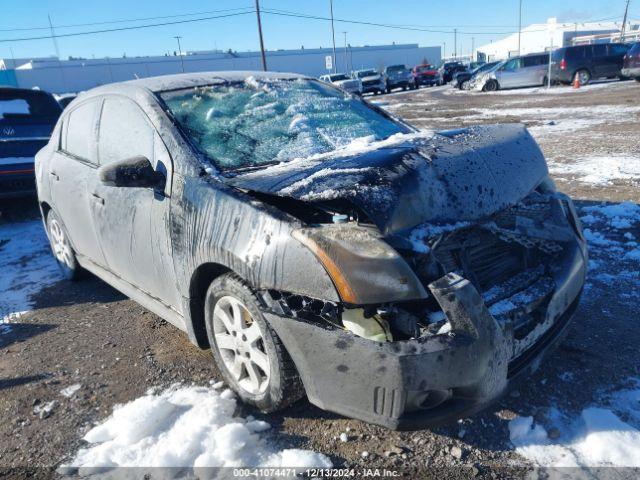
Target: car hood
{"x":371,"y":78}
{"x":464,"y":175}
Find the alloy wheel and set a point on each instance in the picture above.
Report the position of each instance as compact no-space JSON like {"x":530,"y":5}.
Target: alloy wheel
{"x":241,"y":345}
{"x":60,"y":245}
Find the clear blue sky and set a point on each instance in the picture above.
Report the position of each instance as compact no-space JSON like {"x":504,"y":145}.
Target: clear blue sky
{"x":239,"y":33}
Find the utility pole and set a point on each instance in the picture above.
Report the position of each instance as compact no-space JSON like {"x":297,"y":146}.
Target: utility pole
{"x":519,"y":27}
{"x":346,"y":66}
{"x":53,"y":37}
{"x":455,"y":43}
{"x":177,"y":37}
{"x":264,"y":57}
{"x":55,"y":46}
{"x":473,"y":47}
{"x":333,"y":36}
{"x":444,"y":50}
{"x":624,"y":22}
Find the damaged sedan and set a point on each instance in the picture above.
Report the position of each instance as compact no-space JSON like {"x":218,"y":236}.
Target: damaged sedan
{"x":316,"y":244}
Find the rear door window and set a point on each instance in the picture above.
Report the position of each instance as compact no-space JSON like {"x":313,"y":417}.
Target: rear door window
{"x":125,"y":131}
{"x":575,"y":53}
{"x":79,"y":138}
{"x":599,"y":51}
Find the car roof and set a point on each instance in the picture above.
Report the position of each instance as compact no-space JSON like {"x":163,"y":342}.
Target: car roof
{"x":26,"y":91}
{"x":188,"y":80}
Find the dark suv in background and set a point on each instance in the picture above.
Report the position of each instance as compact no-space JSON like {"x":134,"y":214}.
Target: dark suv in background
{"x":27,"y":118}
{"x":586,"y":62}
{"x":449,"y":69}
{"x":631,"y":66}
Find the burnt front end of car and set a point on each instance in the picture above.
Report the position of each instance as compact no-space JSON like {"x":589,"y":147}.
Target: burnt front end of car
{"x":479,"y":306}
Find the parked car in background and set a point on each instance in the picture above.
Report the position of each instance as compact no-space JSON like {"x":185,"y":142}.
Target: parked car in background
{"x":461,"y":80}
{"x":449,"y":69}
{"x":372,"y":80}
{"x":265,"y":237}
{"x":345,"y":82}
{"x":588,"y":62}
{"x":426,"y":75}
{"x":27,"y":118}
{"x":398,"y":76}
{"x":631,"y":66}
{"x":474,"y":65}
{"x":525,"y":71}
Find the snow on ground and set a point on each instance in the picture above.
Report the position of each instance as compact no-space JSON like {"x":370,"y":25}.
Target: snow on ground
{"x":606,"y":433}
{"x":599,"y":170}
{"x":182,"y":426}
{"x":27,"y":267}
{"x":598,"y":437}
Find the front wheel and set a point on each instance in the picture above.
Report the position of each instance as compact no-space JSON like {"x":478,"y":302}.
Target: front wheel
{"x":491,"y":86}
{"x":61,"y":247}
{"x":248,"y":353}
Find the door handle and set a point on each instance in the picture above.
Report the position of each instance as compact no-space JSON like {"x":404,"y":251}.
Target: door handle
{"x":97,"y":199}
{"x":54,"y":175}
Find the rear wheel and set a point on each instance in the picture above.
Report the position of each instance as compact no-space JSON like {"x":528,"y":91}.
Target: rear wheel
{"x":583,"y":75}
{"x":491,"y":86}
{"x":248,"y":353}
{"x":61,"y":247}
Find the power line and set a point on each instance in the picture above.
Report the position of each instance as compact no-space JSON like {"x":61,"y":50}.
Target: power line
{"x":127,"y":20}
{"x":120,"y":29}
{"x":245,"y":11}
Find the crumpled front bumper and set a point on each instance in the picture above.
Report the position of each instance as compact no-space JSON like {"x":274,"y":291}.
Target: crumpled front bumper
{"x":432,"y":380}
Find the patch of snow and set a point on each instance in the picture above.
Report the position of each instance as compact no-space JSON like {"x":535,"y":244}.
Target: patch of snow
{"x":599,"y":170}
{"x":191,"y":427}
{"x":27,"y":267}
{"x":596,"y":438}
{"x":70,"y":390}
{"x":344,"y":437}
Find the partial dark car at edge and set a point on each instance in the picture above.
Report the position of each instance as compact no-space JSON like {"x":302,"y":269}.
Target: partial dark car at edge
{"x":27,"y":118}
{"x":631,"y":66}
{"x":587,"y":62}
{"x":315,"y":243}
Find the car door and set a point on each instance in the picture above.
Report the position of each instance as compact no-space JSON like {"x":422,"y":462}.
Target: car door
{"x":73,"y":177}
{"x":600,"y":62}
{"x":133,"y":222}
{"x":509,"y":73}
{"x":617,"y":51}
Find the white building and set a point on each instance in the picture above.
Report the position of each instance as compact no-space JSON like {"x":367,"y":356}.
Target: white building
{"x":537,"y":38}
{"x":61,"y":76}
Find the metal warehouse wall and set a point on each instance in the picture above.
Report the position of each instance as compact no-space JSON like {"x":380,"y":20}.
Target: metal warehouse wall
{"x":78,"y":75}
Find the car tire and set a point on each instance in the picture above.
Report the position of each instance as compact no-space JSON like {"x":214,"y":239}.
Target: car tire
{"x":637,"y":79}
{"x":246,"y":350}
{"x":61,"y":247}
{"x":492,"y":85}
{"x":583,"y":75}
{"x":388,"y":89}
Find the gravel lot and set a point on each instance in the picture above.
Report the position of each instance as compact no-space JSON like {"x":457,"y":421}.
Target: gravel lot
{"x":89,"y":334}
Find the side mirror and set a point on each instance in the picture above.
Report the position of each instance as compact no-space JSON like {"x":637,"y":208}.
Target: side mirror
{"x":134,"y":172}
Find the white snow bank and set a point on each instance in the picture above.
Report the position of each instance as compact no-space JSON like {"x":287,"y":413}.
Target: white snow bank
{"x":27,"y":266}
{"x":599,"y":170}
{"x":597,"y":438}
{"x":184,"y":427}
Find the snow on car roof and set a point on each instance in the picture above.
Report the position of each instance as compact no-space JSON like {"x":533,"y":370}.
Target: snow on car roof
{"x":186,"y":80}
